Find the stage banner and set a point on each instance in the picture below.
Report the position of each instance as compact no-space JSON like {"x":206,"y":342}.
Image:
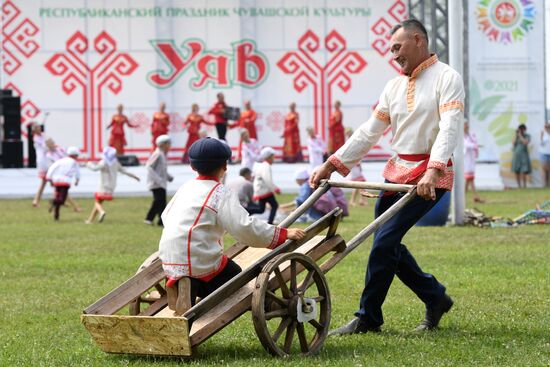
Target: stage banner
{"x":77,"y":60}
{"x":507,"y":84}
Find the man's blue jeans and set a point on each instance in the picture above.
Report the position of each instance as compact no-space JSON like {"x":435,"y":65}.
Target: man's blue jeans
{"x":390,"y":257}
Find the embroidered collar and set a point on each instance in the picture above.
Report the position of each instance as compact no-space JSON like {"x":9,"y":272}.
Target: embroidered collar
{"x":424,"y":65}
{"x":207,"y":178}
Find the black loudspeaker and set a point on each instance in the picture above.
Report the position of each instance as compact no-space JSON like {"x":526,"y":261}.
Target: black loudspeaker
{"x":12,"y":154}
{"x":11,"y":109}
{"x":232,"y":113}
{"x":31,"y":152}
{"x":128,"y":160}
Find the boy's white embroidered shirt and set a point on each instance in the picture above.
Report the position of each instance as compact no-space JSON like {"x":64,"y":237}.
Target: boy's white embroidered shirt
{"x":195,"y":221}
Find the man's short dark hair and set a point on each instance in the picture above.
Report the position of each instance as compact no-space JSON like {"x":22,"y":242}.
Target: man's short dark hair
{"x":245,"y":171}
{"x":411,"y":24}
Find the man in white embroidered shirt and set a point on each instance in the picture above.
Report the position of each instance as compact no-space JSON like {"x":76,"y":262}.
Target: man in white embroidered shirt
{"x":424,"y":108}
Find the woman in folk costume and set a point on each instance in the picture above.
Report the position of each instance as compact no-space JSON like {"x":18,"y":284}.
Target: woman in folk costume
{"x":109,"y":167}
{"x":117,"y":139}
{"x":199,"y":214}
{"x":161,"y":123}
{"x":250,"y":150}
{"x":355,"y":174}
{"x":247,"y":120}
{"x":264,"y":188}
{"x":292,"y":148}
{"x":39,"y":141}
{"x":316,"y":148}
{"x":336,"y":136}
{"x":471,"y":152}
{"x":61,"y":175}
{"x":193,"y":124}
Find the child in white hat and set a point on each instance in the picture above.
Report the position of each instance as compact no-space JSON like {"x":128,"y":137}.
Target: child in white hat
{"x":61,"y":174}
{"x":264,"y":188}
{"x":109,"y":166}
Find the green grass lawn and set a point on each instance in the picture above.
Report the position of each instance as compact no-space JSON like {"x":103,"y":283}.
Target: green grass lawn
{"x":499,"y":279}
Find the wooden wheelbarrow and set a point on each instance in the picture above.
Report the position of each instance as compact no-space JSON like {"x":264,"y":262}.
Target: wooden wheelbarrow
{"x":285,"y":289}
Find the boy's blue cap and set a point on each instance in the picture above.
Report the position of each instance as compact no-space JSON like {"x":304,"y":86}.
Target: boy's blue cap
{"x":206,"y":154}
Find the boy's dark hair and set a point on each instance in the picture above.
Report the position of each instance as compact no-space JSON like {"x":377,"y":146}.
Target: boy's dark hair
{"x":207,"y":170}
{"x":245,"y":171}
{"x":411,"y":24}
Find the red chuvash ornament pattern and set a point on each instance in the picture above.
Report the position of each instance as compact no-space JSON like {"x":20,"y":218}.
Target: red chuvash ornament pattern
{"x":275,"y":121}
{"x":106,"y":74}
{"x":322,"y":78}
{"x":382,"y":27}
{"x":18,"y":35}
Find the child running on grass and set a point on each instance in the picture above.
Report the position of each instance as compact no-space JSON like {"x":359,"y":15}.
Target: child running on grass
{"x":54,"y":153}
{"x":197,"y":217}
{"x":109,"y":166}
{"x":61,"y":174}
{"x":158,"y":178}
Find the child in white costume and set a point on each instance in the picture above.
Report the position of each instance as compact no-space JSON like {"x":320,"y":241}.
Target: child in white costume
{"x":250,"y":150}
{"x":197,"y":217}
{"x":61,"y":174}
{"x":316,"y":147}
{"x":109,"y":166}
{"x":264,"y":188}
{"x":158,"y":178}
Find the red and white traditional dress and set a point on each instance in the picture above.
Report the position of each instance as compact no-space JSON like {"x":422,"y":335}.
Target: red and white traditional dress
{"x":117,"y":139}
{"x":316,"y":149}
{"x":263,"y":182}
{"x":336,"y":136}
{"x":250,"y":153}
{"x":39,"y":141}
{"x":63,"y":171}
{"x":109,"y":167}
{"x":161,"y":122}
{"x":195,"y":221}
{"x":424,"y":133}
{"x":292,"y":148}
{"x":193,"y":123}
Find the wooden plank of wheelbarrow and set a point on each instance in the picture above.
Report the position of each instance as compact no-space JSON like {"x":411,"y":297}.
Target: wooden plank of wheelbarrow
{"x":139,"y":334}
{"x":239,"y":302}
{"x":128,"y":291}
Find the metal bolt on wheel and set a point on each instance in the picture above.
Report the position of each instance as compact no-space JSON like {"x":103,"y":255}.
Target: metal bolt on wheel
{"x":291,"y":298}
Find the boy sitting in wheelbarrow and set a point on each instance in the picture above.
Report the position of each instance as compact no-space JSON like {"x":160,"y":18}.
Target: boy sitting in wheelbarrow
{"x":197,"y":217}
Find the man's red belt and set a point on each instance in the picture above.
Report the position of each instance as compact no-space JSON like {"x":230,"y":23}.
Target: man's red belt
{"x":422,"y":167}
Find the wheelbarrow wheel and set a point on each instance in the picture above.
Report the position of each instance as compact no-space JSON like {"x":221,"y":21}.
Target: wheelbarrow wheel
{"x":294,"y":302}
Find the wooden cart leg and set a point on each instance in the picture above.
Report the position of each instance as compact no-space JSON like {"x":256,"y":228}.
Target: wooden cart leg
{"x":183,"y":302}
{"x":179,"y":296}
{"x":172,"y":293}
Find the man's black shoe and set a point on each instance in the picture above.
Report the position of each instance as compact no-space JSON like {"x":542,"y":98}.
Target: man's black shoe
{"x":434,"y":314}
{"x":355,"y":326}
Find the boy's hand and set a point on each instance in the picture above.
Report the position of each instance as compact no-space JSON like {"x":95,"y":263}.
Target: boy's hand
{"x":295,"y":233}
